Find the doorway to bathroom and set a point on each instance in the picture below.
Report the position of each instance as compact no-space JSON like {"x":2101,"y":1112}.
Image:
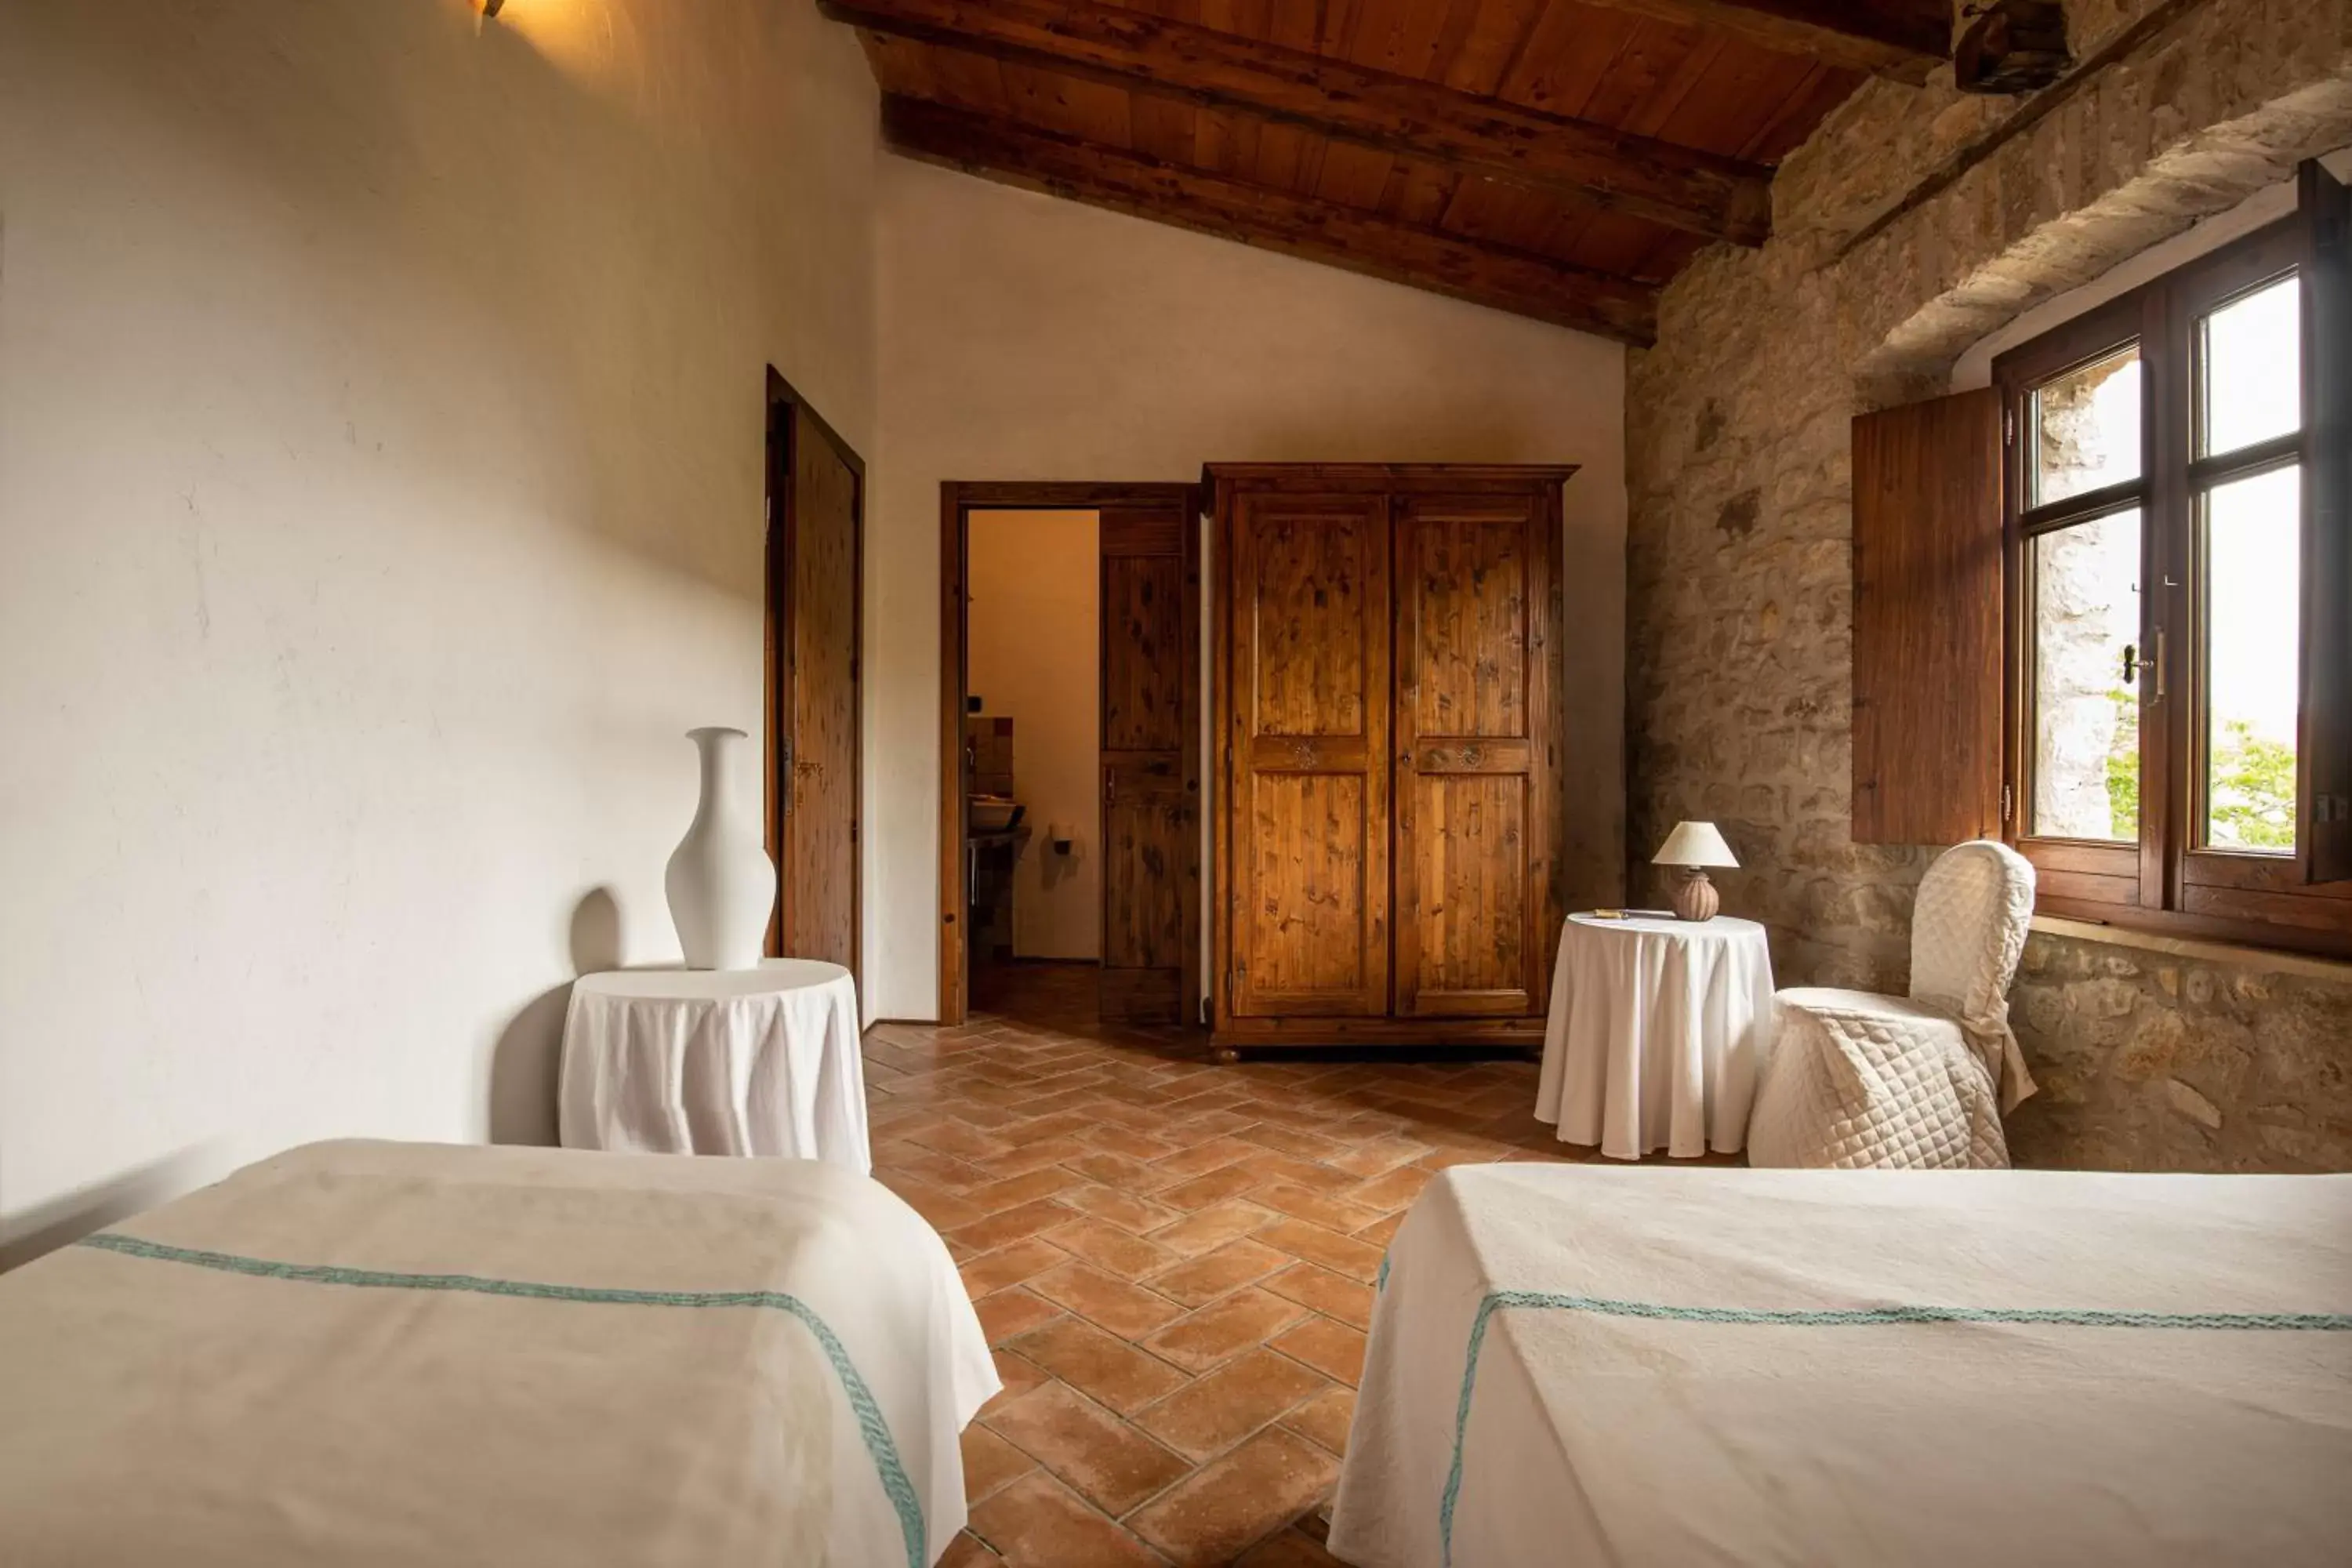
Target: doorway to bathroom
{"x":1071,"y":794}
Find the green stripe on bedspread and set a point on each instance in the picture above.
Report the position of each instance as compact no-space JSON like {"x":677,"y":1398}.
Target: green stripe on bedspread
{"x":870,"y":1423}
{"x":1858,"y":1317}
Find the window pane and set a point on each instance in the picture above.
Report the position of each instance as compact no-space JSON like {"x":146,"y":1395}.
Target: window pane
{"x":2086,"y":429}
{"x":2086,"y":691}
{"x":2254,"y":574}
{"x":2251,"y":369}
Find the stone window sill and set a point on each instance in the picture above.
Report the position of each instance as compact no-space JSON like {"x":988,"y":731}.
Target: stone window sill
{"x":2261,"y":960}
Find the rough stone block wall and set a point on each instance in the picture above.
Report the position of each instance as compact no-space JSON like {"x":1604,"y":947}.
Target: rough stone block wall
{"x":1740,"y":551}
{"x":2147,"y":1061}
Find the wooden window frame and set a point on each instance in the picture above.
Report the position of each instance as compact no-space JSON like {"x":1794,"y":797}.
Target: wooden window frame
{"x":2167,"y":883}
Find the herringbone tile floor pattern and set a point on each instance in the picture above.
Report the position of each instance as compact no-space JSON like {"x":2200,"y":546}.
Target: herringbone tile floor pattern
{"x":1173,"y":1261}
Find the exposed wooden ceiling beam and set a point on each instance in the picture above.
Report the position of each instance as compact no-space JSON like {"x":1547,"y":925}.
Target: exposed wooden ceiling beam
{"x":1721,"y":198}
{"x":1900,"y":38}
{"x":1306,"y":226}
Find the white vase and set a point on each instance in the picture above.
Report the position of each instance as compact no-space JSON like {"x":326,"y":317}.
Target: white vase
{"x":721,"y":884}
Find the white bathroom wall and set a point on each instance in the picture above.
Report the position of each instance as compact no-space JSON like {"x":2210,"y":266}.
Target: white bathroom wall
{"x":1035,"y":644}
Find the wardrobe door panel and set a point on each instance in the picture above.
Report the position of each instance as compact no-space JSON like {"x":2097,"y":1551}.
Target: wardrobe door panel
{"x":1308,"y":951}
{"x":1465,"y":911}
{"x":1309,"y":776}
{"x":1475,"y":765}
{"x":1315,"y":634}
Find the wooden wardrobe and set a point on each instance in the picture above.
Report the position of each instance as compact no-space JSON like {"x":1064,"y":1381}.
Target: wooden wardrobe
{"x":1388,"y":752}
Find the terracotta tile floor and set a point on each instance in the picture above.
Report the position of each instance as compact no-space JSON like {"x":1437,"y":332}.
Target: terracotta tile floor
{"x":1173,"y":1261}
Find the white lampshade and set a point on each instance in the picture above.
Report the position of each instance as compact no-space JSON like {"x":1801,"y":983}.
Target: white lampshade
{"x":1694,"y":844}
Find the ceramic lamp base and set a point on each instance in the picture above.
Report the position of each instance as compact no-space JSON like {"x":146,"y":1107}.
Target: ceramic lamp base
{"x":1695,"y":898}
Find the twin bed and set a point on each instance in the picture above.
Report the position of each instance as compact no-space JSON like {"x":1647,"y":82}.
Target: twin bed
{"x":1575,"y":1365}
{"x":386,"y":1353}
{"x":361,"y":1353}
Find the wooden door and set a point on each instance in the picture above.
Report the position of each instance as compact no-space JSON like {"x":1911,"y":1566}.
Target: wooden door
{"x":1150,"y":784}
{"x":815,"y":564}
{"x":1306,"y":803}
{"x":1475,"y":757}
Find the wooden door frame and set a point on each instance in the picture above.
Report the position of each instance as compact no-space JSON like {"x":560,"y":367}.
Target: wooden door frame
{"x":958,"y":499}
{"x":782,"y":524}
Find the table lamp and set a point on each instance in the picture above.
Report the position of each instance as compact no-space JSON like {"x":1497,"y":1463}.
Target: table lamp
{"x":1696,"y":846}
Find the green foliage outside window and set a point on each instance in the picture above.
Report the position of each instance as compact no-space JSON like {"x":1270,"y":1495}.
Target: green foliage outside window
{"x":2123,"y":768}
{"x":2253,"y":791}
{"x":2253,"y":787}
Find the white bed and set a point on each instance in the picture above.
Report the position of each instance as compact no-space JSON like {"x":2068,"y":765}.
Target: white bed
{"x":1571,"y":1366}
{"x":361,"y":1353}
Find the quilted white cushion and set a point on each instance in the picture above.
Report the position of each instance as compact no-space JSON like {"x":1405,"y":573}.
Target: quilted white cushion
{"x":1861,"y":1081}
{"x":1858,"y":1080}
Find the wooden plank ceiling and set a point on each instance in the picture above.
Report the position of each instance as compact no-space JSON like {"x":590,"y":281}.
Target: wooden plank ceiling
{"x":1562,"y":159}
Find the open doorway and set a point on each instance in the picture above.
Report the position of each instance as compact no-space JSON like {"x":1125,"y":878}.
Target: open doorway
{"x":1070,"y":803}
{"x":1032,"y":731}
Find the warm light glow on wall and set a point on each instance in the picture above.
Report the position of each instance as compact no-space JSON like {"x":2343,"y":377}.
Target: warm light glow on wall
{"x":593,"y":42}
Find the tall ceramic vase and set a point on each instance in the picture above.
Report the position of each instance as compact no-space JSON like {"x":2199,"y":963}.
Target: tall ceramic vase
{"x":721,"y":884}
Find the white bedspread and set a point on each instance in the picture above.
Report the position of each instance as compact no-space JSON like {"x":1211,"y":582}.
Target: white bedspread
{"x":362,"y":1353}
{"x":1574,"y":1365}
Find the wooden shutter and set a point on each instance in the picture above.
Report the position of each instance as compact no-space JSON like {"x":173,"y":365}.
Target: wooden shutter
{"x":2324,"y":830}
{"x":1150,"y":826}
{"x":1306,"y":799}
{"x":1928,"y":621}
{"x":1474,"y":755}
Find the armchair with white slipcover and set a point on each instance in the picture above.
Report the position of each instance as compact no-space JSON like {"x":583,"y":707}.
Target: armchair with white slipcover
{"x":1856,"y":1079}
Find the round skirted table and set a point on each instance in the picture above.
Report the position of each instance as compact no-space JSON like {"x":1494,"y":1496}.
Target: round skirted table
{"x":1658,"y":1029}
{"x":694,"y":1061}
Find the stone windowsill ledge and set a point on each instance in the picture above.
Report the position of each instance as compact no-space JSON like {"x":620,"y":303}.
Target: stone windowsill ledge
{"x":2259,"y":959}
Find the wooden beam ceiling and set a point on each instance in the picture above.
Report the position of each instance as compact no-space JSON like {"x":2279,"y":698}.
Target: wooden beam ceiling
{"x":1721,"y":198}
{"x":1900,"y":38}
{"x":1317,"y":230}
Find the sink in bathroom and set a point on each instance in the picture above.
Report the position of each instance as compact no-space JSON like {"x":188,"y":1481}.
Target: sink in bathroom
{"x":992,"y":812}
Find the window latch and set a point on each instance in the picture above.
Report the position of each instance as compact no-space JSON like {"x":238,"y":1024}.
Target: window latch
{"x":2131,"y":664}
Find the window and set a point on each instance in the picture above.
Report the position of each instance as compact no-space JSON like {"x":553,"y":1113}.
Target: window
{"x":2175,"y":595}
{"x":2085,"y":492}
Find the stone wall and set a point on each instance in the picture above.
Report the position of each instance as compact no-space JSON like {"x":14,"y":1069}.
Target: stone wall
{"x":2151,"y":1061}
{"x":1739,"y":569}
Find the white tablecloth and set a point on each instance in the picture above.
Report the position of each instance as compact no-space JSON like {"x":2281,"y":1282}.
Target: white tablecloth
{"x":753,"y":1061}
{"x":1658,"y":1028}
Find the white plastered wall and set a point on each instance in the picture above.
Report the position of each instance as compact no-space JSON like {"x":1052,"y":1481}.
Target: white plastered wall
{"x":381,"y":421}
